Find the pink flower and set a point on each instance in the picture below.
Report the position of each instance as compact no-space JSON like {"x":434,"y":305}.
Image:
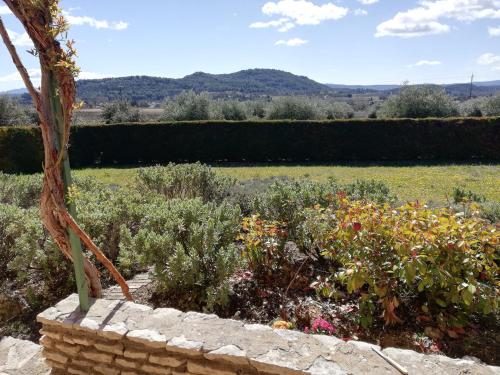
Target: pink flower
{"x":321,"y":326}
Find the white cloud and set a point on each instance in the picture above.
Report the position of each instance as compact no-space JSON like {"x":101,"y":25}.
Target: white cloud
{"x":292,"y":13}
{"x":427,"y":63}
{"x":4,"y":9}
{"x":368,"y":2}
{"x":283,"y":25}
{"x":14,"y":77}
{"x":494,"y":31}
{"x":360,"y":12}
{"x":20,"y":39}
{"x":304,"y":12}
{"x":95,"y":23}
{"x":295,"y":42}
{"x":427,"y":18}
{"x":488,"y":59}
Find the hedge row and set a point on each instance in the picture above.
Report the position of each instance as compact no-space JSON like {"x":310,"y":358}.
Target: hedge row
{"x":263,"y":141}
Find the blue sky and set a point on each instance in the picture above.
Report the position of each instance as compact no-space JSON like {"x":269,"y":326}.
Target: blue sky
{"x":335,"y":41}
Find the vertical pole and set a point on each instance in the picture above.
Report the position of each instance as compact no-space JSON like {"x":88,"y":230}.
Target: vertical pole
{"x":76,"y":245}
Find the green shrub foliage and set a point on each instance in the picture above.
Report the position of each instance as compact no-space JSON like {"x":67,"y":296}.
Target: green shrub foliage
{"x":438,"y":262}
{"x":185,"y":181}
{"x":419,"y":102}
{"x":11,"y":113}
{"x":191,"y":246}
{"x":188,"y":106}
{"x":292,"y":108}
{"x":120,"y":112}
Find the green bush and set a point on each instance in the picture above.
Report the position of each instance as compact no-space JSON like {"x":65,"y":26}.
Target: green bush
{"x":337,"y":110}
{"x":419,"y":102}
{"x":286,"y":201}
{"x":292,"y":108}
{"x":491,"y":106}
{"x":21,"y":191}
{"x":113,"y":113}
{"x":491,"y":211}
{"x":256,"y":109}
{"x":191,"y":246}
{"x":188,"y":106}
{"x":29,"y":257}
{"x":185,"y":181}
{"x":11,"y":113}
{"x":234,"y":111}
{"x":433,"y":262}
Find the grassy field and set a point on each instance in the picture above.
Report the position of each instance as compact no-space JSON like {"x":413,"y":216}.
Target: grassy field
{"x":425,"y":183}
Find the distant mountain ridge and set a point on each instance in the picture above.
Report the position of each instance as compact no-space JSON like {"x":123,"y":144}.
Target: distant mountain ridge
{"x":245,"y":84}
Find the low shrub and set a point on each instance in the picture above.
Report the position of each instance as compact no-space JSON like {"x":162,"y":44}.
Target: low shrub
{"x":21,"y":191}
{"x":436,"y":262}
{"x":185,"y":181}
{"x":191,"y":246}
{"x":30,"y":258}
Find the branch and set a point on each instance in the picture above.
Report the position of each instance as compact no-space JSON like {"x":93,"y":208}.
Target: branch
{"x":19,"y":65}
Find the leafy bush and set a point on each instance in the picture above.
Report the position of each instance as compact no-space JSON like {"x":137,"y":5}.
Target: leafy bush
{"x":12,"y":113}
{"x":368,"y":190}
{"x":234,"y":111}
{"x":491,"y":106}
{"x":419,"y":102}
{"x":30,"y":258}
{"x":191,"y":246}
{"x":292,"y":108}
{"x":21,"y":191}
{"x":185,"y":181}
{"x":337,"y":110}
{"x":188,"y":106}
{"x":256,"y":109}
{"x":286,"y":201}
{"x":264,"y":245}
{"x":460,"y":195}
{"x":472,"y":107}
{"x":433,"y":261}
{"x":491,"y":211}
{"x":117,"y":112}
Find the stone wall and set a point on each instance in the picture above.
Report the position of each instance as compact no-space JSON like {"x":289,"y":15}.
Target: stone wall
{"x":117,"y":337}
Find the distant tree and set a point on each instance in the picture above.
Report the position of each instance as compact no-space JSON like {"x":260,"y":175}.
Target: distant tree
{"x":292,"y":108}
{"x":233,"y":110}
{"x":11,"y":113}
{"x":491,"y":106}
{"x":256,"y":109}
{"x":113,"y":113}
{"x":188,"y":106}
{"x":337,"y":110}
{"x":419,"y":102}
{"x":472,"y":107}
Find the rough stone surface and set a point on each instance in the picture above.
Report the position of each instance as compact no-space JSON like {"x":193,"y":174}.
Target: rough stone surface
{"x":18,"y":357}
{"x":117,"y":337}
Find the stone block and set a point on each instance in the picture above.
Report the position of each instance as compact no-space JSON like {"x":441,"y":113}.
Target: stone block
{"x":168,"y":361}
{"x":115,"y":348}
{"x":135,"y":354}
{"x":126,"y":363}
{"x":150,"y":369}
{"x":106,"y":370}
{"x":98,"y":356}
{"x":207,"y":368}
{"x":70,"y":350}
{"x":55,"y":357}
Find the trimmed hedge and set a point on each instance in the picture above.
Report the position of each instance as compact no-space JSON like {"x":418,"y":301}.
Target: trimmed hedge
{"x":460,"y":139}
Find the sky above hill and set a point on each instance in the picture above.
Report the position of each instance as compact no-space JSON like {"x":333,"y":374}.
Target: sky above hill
{"x":336,"y":41}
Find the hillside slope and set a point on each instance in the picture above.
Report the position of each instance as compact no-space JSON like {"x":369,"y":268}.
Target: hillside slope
{"x":243,"y":84}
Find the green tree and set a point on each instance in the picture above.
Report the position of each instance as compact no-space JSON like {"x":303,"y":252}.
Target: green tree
{"x":11,"y":113}
{"x":293,"y":108}
{"x":188,"y":106}
{"x":419,"y":102}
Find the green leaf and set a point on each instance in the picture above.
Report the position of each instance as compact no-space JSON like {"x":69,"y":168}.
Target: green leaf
{"x":440,"y":302}
{"x":467,"y":296}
